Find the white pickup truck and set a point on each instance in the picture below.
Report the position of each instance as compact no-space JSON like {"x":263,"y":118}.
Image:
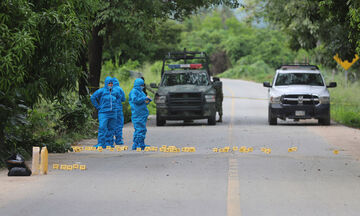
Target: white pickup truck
{"x":299,"y":92}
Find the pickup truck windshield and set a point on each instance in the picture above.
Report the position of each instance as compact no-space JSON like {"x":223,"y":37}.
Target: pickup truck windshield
{"x":188,"y":78}
{"x":299,"y":79}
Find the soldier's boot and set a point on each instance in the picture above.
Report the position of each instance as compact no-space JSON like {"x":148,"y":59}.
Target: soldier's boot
{"x":220,"y":119}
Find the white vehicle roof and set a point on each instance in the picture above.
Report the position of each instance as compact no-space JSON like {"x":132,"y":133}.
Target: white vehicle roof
{"x":298,"y":71}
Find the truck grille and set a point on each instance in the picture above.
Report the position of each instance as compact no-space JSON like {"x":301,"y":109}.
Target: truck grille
{"x":300,"y":99}
{"x":185,"y":99}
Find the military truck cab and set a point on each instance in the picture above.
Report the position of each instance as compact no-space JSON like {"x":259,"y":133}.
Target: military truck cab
{"x":185,"y":91}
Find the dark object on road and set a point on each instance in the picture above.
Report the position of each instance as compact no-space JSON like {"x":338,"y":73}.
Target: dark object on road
{"x":17,"y":167}
{"x":186,"y":91}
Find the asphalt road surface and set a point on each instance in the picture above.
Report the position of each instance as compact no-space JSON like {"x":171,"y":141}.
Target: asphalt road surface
{"x":311,"y":181}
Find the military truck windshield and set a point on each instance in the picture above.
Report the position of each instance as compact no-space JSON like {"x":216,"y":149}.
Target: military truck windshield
{"x":186,"y":78}
{"x":299,"y":79}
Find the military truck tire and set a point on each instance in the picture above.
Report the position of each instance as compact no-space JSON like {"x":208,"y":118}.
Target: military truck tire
{"x":271,"y":118}
{"x":160,"y":121}
{"x":212,"y":120}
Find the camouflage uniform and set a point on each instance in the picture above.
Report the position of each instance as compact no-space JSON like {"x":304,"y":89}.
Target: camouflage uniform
{"x":219,"y":100}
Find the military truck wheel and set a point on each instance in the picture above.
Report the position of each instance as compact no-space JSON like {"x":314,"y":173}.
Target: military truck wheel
{"x":160,"y":121}
{"x":212,"y":120}
{"x":271,"y":118}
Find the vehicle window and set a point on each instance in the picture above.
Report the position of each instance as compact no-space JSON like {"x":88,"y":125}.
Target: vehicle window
{"x":185,"y":79}
{"x":299,"y":79}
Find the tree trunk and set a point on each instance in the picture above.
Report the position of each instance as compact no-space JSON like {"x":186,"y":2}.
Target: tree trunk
{"x":83,"y":90}
{"x":95,"y":57}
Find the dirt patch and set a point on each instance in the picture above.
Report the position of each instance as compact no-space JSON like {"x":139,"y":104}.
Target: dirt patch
{"x":343,"y":138}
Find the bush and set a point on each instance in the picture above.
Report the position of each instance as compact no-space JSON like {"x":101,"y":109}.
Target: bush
{"x":258,"y":71}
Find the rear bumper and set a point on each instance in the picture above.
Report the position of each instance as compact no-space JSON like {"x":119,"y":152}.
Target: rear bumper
{"x":185,"y":112}
{"x":289,"y":111}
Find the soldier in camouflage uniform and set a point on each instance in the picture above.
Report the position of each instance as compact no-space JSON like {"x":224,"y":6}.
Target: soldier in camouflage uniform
{"x":219,"y":97}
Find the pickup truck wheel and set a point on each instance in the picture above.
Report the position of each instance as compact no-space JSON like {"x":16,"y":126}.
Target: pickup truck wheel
{"x":325,"y":121}
{"x":271,"y":118}
{"x":160,"y":121}
{"x":212,"y":120}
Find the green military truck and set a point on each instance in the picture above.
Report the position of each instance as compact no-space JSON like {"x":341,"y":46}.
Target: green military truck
{"x":186,"y":91}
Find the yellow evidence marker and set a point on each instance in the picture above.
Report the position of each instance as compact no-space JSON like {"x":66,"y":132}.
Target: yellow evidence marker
{"x":268,"y":151}
{"x":82,"y":167}
{"x":56,"y":166}
{"x":75,"y":166}
{"x":290,"y":149}
{"x":69,"y":167}
{"x":235,"y":148}
{"x":263,"y":149}
{"x":215,"y":149}
{"x":138,"y":149}
{"x":147,"y":149}
{"x":63,"y":167}
{"x":251,"y":149}
{"x":294,"y":148}
{"x":336,"y":152}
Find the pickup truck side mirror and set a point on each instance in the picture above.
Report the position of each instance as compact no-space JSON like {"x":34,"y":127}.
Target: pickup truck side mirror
{"x":332,"y":85}
{"x":216,"y":79}
{"x":153,"y":85}
{"x":266,"y":84}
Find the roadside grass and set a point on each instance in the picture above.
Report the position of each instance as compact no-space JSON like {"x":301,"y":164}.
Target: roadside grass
{"x":345,"y":102}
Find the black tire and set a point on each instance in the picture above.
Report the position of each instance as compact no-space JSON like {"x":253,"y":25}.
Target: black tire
{"x":160,"y":121}
{"x":212,"y":120}
{"x":325,"y":121}
{"x":271,"y":118}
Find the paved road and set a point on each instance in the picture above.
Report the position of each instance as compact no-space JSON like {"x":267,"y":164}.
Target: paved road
{"x":311,"y":181}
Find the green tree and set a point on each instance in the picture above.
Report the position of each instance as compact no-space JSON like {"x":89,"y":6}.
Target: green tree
{"x":333,"y":23}
{"x":40,"y":44}
{"x":133,"y":16}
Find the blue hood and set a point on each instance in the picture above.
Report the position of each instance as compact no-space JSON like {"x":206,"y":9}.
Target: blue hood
{"x":115,"y":82}
{"x":107,"y":81}
{"x":138,"y":83}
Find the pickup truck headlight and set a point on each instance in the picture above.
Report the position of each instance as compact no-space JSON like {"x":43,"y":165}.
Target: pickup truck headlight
{"x":210,"y":98}
{"x":160,"y":99}
{"x":275,"y":100}
{"x":324,"y":100}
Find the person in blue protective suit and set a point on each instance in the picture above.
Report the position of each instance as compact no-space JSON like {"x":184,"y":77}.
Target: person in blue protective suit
{"x":139,"y":113}
{"x":104,"y":100}
{"x":119,"y":115}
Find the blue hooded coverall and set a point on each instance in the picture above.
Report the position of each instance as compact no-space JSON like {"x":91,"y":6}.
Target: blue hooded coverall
{"x":139,"y":113}
{"x":119,"y":115}
{"x":104,"y":100}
